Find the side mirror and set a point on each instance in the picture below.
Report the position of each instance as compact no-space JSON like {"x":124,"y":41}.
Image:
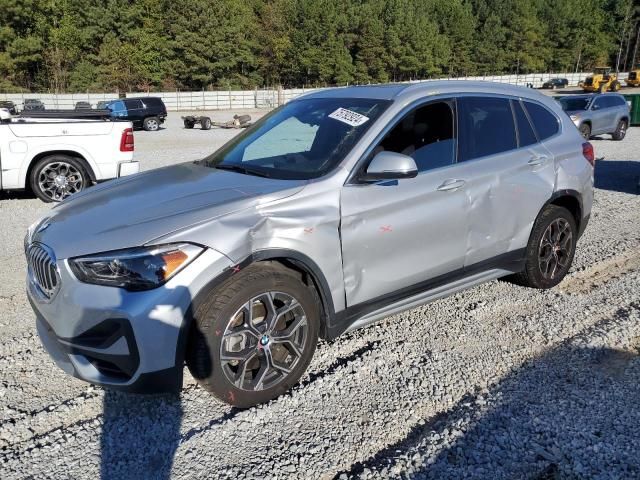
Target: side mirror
{"x":390,"y":166}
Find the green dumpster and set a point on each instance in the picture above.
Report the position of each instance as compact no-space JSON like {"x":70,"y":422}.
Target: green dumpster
{"x":634,"y":103}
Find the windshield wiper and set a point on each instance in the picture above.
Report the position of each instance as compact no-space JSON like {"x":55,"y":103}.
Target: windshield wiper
{"x":240,"y":169}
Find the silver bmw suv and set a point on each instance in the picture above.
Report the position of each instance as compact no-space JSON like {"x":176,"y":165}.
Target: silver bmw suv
{"x":336,"y":210}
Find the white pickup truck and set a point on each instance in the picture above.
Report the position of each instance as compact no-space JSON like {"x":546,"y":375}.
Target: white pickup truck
{"x":56,"y":157}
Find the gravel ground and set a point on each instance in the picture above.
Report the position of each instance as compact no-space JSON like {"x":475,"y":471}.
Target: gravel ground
{"x":496,"y":382}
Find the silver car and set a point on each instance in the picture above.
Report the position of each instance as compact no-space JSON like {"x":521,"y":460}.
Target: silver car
{"x":336,"y":210}
{"x":597,"y":114}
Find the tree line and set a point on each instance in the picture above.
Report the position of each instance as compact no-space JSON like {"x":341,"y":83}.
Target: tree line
{"x":82,"y":45}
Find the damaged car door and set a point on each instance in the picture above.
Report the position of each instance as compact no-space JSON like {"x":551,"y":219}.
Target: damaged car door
{"x":400,"y":234}
{"x":510,"y":174}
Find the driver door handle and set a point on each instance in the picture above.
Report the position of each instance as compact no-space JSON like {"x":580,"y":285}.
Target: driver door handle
{"x":451,"y":184}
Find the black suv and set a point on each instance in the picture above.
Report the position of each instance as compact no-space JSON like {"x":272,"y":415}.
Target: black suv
{"x":145,"y":112}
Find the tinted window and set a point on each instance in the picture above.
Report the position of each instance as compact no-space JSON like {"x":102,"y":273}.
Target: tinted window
{"x":486,"y":127}
{"x":570,"y":104}
{"x":426,"y":135}
{"x":131,"y":104}
{"x":152,"y":101}
{"x":526,"y":136}
{"x":544,"y":122}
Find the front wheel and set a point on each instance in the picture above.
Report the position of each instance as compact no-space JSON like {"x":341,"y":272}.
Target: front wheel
{"x":205,"y":123}
{"x":550,"y":250}
{"x":56,"y":177}
{"x":151,"y":124}
{"x":255,"y":336}
{"x":620,"y":131}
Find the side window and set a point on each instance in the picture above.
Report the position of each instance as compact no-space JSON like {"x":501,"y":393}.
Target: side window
{"x":117,"y":107}
{"x":426,"y":134}
{"x":526,"y":135}
{"x":544,"y":122}
{"x":486,"y":127}
{"x":600,"y":103}
{"x":133,"y":104}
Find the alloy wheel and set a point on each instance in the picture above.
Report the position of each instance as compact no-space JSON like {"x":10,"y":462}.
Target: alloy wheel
{"x":554,"y":253}
{"x":58,"y":180}
{"x":263,"y":341}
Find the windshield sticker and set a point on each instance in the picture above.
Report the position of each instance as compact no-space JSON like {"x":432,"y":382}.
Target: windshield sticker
{"x":350,"y":118}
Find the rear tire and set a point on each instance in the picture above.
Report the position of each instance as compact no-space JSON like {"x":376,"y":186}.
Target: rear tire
{"x":269,"y":352}
{"x":188,"y":123}
{"x":205,"y":123}
{"x":585,"y":130}
{"x":620,"y":131}
{"x":551,"y":248}
{"x":151,"y":124}
{"x":56,"y":177}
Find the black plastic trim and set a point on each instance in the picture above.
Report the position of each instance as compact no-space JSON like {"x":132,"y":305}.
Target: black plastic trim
{"x":511,"y":261}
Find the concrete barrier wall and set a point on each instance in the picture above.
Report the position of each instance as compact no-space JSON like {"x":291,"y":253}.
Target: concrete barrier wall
{"x":252,"y":99}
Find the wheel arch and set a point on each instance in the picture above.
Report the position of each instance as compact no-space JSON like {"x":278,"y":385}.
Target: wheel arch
{"x":572,"y":201}
{"x":50,"y":153}
{"x":291,"y":259}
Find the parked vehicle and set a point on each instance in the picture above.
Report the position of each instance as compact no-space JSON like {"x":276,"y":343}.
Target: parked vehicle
{"x":31,"y":104}
{"x":602,"y":80}
{"x":554,"y":83}
{"x":341,"y":208}
{"x":598,"y":114}
{"x":57,"y":157}
{"x":9,"y":106}
{"x":633,"y":80}
{"x":82,"y":106}
{"x":145,"y":112}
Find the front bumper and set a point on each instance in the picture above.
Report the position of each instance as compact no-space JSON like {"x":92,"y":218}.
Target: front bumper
{"x":118,"y":339}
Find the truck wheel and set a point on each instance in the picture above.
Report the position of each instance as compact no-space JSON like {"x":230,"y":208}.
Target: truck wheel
{"x":205,"y":123}
{"x":254,"y":337}
{"x":585,"y":130}
{"x":615,"y":86}
{"x":621,"y":130}
{"x":56,"y":177}
{"x":550,"y":250}
{"x":151,"y":124}
{"x":188,"y":123}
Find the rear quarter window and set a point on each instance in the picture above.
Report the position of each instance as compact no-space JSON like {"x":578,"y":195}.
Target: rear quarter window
{"x":545,"y":123}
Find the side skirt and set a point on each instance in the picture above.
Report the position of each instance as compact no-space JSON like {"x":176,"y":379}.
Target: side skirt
{"x":365,"y":313}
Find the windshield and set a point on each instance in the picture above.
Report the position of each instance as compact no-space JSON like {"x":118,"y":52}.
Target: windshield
{"x":572,"y":104}
{"x":302,"y":140}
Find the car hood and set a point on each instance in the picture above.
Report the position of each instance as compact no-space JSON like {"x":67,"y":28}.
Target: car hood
{"x":135,"y":210}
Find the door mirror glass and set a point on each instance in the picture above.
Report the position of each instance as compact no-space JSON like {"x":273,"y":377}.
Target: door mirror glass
{"x":391,"y":166}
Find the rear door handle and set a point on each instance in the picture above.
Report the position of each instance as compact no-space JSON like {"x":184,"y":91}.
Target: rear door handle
{"x":451,"y":184}
{"x":537,"y":160}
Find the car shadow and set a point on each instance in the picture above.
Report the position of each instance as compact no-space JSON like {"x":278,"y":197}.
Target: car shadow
{"x":569,"y":413}
{"x":618,"y":176}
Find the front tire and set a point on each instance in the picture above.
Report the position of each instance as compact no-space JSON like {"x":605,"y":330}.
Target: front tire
{"x":254,"y":337}
{"x":56,"y":177}
{"x":551,"y":248}
{"x":151,"y":124}
{"x":205,"y":123}
{"x":620,"y":131}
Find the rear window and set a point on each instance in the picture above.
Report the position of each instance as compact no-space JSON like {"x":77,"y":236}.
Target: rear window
{"x":545,"y":123}
{"x":486,"y":127}
{"x":153,"y":101}
{"x":526,"y":135}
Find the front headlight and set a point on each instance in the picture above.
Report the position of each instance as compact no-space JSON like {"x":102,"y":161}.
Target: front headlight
{"x":135,"y":269}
